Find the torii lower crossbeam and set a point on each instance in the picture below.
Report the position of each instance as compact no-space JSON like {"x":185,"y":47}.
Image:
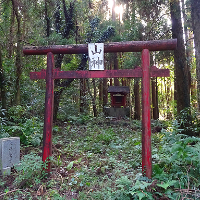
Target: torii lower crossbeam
{"x":145,"y":73}
{"x":126,"y":73}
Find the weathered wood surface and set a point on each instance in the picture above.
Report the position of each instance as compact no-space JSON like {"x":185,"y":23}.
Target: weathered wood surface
{"x":146,"y":117}
{"x":130,"y":46}
{"x":119,"y":89}
{"x":48,"y":114}
{"x":137,"y":72}
{"x":145,"y":73}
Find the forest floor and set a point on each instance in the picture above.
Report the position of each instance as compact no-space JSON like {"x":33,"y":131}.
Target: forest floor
{"x":101,"y":161}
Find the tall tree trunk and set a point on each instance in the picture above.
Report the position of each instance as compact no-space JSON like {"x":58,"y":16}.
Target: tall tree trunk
{"x":58,"y":91}
{"x":169,"y":99}
{"x":137,"y":109}
{"x":100,"y":95}
{"x":2,"y":83}
{"x":18,"y":61}
{"x":188,"y":46}
{"x":190,"y":58}
{"x":184,"y":20}
{"x":47,"y":19}
{"x":181,"y":70}
{"x":154,"y":98}
{"x":157,"y":96}
{"x":105,"y":92}
{"x":114,"y":55}
{"x":116,"y":67}
{"x":11,"y":33}
{"x":93,"y":98}
{"x":82,"y":95}
{"x":195,"y":12}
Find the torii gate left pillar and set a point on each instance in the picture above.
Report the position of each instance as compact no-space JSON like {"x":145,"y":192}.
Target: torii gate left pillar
{"x":145,"y":72}
{"x":48,"y":115}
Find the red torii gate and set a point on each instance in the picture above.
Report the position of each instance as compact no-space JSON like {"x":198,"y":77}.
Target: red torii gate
{"x":145,"y":72}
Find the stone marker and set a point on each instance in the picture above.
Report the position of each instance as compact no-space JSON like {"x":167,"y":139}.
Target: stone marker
{"x":9,"y":154}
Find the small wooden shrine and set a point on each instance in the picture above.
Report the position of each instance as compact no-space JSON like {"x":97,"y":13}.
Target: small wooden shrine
{"x":119,"y":106}
{"x":118,"y":96}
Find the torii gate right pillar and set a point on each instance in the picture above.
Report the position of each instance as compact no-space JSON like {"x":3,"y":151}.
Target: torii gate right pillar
{"x":146,"y":117}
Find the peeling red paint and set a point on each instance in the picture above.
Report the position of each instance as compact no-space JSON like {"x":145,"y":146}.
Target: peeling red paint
{"x":137,"y":72}
{"x":129,"y":46}
{"x":48,"y":116}
{"x":146,"y":120}
{"x":145,"y":72}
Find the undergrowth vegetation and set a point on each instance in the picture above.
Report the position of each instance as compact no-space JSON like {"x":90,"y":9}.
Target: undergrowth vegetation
{"x":97,"y":158}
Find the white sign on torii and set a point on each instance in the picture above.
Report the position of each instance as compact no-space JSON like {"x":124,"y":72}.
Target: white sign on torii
{"x":96,"y":56}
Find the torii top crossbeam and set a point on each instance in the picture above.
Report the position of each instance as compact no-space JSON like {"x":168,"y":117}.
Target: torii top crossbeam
{"x":130,"y":46}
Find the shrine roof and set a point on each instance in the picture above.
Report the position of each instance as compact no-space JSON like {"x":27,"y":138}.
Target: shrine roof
{"x":119,"y":89}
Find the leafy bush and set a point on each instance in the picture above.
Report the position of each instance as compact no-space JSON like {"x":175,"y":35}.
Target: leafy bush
{"x":178,"y":159}
{"x":80,"y":119}
{"x":30,"y":132}
{"x":16,"y":113}
{"x":30,"y":171}
{"x":189,"y":121}
{"x":3,"y":125}
{"x":106,"y":136}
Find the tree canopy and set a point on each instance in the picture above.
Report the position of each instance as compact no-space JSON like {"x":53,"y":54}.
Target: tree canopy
{"x":48,"y":22}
